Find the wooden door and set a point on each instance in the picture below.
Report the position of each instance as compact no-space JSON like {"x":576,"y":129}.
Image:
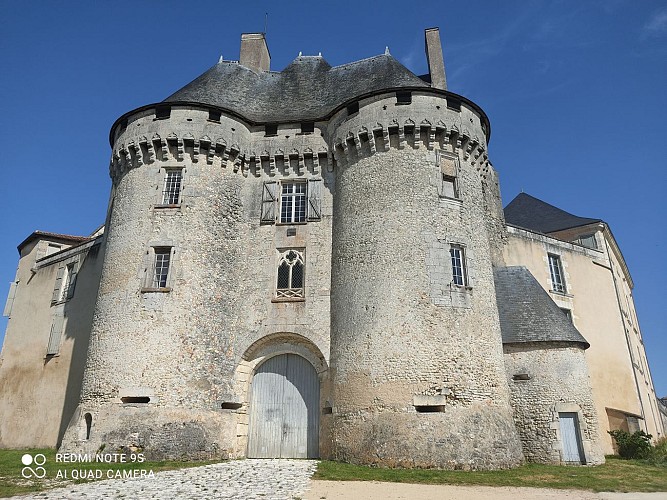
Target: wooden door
{"x":284,"y":409}
{"x":570,"y":438}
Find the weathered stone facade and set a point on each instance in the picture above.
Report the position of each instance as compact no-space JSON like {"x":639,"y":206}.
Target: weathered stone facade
{"x":348,"y":216}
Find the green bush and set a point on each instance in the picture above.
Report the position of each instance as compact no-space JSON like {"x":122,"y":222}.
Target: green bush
{"x":659,"y":452}
{"x":636,"y":445}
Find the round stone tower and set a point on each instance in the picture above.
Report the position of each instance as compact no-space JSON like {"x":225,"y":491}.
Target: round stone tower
{"x":416,"y":358}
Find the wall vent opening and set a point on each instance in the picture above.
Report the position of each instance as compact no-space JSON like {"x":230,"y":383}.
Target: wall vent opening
{"x":89,"y":423}
{"x":214,"y":115}
{"x":521,"y":376}
{"x":430,"y":408}
{"x":327,"y":410}
{"x":231,"y":406}
{"x":308,"y":127}
{"x":352,"y":108}
{"x":135,"y":399}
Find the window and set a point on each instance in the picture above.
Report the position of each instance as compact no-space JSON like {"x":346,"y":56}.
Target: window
{"x":556,"y":272}
{"x":270,"y":130}
{"x":453,"y":103}
{"x":567,"y":312}
{"x":291,"y":202}
{"x":214,"y":115}
{"x":161,"y":267}
{"x":162,"y":112}
{"x":352,"y":108}
{"x":308,"y":127}
{"x":457,"y":255}
{"x":63,"y":289}
{"x":448,"y":164}
{"x":588,"y":241}
{"x":403,"y":97}
{"x":290,"y":275}
{"x":173,"y":182}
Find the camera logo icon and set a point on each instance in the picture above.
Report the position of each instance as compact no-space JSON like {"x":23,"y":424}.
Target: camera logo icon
{"x":33,"y":466}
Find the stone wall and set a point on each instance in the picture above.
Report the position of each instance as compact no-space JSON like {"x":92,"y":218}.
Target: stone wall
{"x":547,"y":378}
{"x":188,"y":347}
{"x":417,"y":371}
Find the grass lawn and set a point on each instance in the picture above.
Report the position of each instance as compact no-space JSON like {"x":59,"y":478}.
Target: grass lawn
{"x":615,"y":475}
{"x":13,"y":483}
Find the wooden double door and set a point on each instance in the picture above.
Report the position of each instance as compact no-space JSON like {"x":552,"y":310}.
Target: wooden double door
{"x":284,"y":409}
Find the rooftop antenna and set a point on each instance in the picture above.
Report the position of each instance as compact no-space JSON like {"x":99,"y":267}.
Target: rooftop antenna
{"x":266,"y":21}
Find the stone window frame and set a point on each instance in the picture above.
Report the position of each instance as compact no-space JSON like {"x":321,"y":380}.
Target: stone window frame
{"x":556,"y":273}
{"x":290,"y":294}
{"x":149,"y":267}
{"x":449,"y":167}
{"x":163,"y":191}
{"x":272,"y":204}
{"x":457,"y":251}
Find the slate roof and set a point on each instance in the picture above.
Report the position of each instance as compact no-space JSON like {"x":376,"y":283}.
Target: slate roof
{"x":530,"y":213}
{"x":66,"y":238}
{"x":307,"y":89}
{"x":527,"y":313}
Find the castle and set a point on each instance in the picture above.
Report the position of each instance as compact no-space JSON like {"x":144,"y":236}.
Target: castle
{"x":316,"y":263}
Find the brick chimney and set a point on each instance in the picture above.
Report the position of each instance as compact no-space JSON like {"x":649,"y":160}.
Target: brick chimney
{"x":436,"y":63}
{"x":254,"y":52}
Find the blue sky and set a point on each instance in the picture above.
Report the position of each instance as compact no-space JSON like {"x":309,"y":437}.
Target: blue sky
{"x":576,"y":93}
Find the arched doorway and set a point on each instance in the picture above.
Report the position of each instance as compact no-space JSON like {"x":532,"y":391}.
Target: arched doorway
{"x":284,"y":409}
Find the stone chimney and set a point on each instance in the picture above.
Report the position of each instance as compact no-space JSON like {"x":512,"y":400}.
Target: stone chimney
{"x":255,"y":53}
{"x":436,"y":63}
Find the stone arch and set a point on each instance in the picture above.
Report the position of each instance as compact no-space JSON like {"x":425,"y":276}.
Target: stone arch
{"x":264,"y":348}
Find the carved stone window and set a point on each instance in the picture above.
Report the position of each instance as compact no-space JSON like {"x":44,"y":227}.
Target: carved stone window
{"x":290,"y":279}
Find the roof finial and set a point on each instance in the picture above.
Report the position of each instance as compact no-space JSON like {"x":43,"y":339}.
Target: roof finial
{"x":386,"y":51}
{"x":220,"y":60}
{"x":299,"y":53}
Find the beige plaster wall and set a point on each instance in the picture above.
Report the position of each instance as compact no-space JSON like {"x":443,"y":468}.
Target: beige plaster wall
{"x":592,"y":298}
{"x":39,"y":393}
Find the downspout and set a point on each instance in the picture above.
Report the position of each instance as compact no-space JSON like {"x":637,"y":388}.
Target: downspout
{"x":625,"y":330}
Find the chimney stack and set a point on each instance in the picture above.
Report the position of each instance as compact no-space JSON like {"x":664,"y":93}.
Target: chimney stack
{"x":254,"y":52}
{"x":436,"y":63}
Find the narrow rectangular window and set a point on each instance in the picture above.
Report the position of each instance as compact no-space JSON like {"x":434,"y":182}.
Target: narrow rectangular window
{"x":308,"y":127}
{"x":270,"y":130}
{"x":293,"y":202}
{"x":162,"y":112}
{"x":171,"y":193}
{"x":448,"y":164}
{"x":352,"y":108}
{"x":556,"y":272}
{"x":214,"y":115}
{"x":161,"y":267}
{"x":457,"y":255}
{"x":453,"y":103}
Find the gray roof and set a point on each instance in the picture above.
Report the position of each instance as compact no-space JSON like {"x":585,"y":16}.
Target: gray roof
{"x":530,"y":213}
{"x":308,"y":89}
{"x":527,"y":313}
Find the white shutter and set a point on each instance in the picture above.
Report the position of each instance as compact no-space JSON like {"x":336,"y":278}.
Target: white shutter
{"x":314,"y":199}
{"x":269,"y":197}
{"x":58,"y":284}
{"x":10,"y":299}
{"x":56,"y":333}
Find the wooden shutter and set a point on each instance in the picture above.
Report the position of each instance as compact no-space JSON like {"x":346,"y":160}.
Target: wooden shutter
{"x":58,"y":284}
{"x":56,"y":333}
{"x":314,"y":199}
{"x":269,"y":197}
{"x":10,"y":299}
{"x":72,"y":279}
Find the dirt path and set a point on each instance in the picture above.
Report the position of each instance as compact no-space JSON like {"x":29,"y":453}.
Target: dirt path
{"x":370,"y":490}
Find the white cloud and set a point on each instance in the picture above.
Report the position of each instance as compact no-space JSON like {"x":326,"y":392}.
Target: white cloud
{"x":657,"y":24}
